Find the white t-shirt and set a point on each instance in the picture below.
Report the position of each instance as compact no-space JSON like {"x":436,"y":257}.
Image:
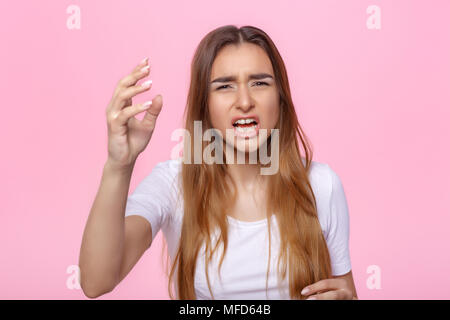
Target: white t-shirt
{"x":243,"y":273}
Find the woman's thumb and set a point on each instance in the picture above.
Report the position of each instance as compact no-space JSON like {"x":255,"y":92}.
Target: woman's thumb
{"x":152,"y":113}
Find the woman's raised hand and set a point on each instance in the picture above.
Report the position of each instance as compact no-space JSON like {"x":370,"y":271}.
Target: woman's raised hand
{"x":128,"y":136}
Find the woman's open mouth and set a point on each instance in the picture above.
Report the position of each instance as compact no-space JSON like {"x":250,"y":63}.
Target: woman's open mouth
{"x":246,"y":127}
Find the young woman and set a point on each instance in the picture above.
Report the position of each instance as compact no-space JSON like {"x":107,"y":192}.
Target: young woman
{"x":231,"y":232}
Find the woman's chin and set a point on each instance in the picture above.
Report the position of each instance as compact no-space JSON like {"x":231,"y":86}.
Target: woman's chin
{"x":245,"y":145}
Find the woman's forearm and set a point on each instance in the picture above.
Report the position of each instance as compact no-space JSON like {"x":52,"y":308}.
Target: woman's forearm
{"x":103,"y":238}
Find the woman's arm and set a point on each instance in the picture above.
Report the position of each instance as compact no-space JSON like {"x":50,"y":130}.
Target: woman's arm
{"x":110,"y":247}
{"x":348,"y":277}
{"x":111,"y":243}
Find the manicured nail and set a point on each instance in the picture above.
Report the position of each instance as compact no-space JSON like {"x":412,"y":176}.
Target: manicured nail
{"x":146,"y":105}
{"x":305,"y":291}
{"x":311,"y":298}
{"x":145,"y":69}
{"x":146,"y":84}
{"x":144,"y":61}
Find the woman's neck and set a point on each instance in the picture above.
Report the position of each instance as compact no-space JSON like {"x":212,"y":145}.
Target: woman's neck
{"x":246,"y":176}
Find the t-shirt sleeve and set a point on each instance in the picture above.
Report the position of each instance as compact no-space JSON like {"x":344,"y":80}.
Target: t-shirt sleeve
{"x":153,"y":198}
{"x":339,"y":228}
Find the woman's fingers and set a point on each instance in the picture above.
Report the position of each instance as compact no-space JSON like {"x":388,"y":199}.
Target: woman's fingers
{"x":134,"y":75}
{"x":126,"y":113}
{"x":126,"y":88}
{"x":327,"y":289}
{"x":325,"y":284}
{"x":124,"y":95}
{"x":340,"y":294}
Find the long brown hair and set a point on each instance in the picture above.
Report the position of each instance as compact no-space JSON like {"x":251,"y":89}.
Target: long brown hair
{"x":206,"y":195}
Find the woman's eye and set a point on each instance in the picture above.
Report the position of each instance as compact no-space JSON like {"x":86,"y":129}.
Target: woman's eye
{"x":227,"y":85}
{"x":264,"y":83}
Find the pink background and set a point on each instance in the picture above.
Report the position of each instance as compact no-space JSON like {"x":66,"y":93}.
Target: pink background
{"x":375,"y":104}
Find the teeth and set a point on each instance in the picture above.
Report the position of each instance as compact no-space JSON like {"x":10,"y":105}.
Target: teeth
{"x":244,"y":121}
{"x":244,"y":130}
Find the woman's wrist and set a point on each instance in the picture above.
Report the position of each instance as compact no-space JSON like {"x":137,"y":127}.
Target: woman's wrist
{"x":116,"y":168}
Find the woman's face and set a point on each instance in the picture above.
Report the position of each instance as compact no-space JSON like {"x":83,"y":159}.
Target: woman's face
{"x":242,"y":85}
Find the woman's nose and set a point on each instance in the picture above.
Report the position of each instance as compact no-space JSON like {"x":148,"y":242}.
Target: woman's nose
{"x":244,"y":99}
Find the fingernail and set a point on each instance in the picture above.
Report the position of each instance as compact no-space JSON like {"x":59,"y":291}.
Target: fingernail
{"x":144,"y":61}
{"x":305,"y":291}
{"x":146,"y":105}
{"x":311,"y":298}
{"x":145,"y":69}
{"x":146,"y":84}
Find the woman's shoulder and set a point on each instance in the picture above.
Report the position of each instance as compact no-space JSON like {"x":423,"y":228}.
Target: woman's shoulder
{"x":170,"y":167}
{"x":325,"y":182}
{"x":168,"y":173}
{"x":320,"y":175}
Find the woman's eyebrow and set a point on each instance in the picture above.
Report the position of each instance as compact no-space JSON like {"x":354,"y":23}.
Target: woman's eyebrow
{"x":257,"y":76}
